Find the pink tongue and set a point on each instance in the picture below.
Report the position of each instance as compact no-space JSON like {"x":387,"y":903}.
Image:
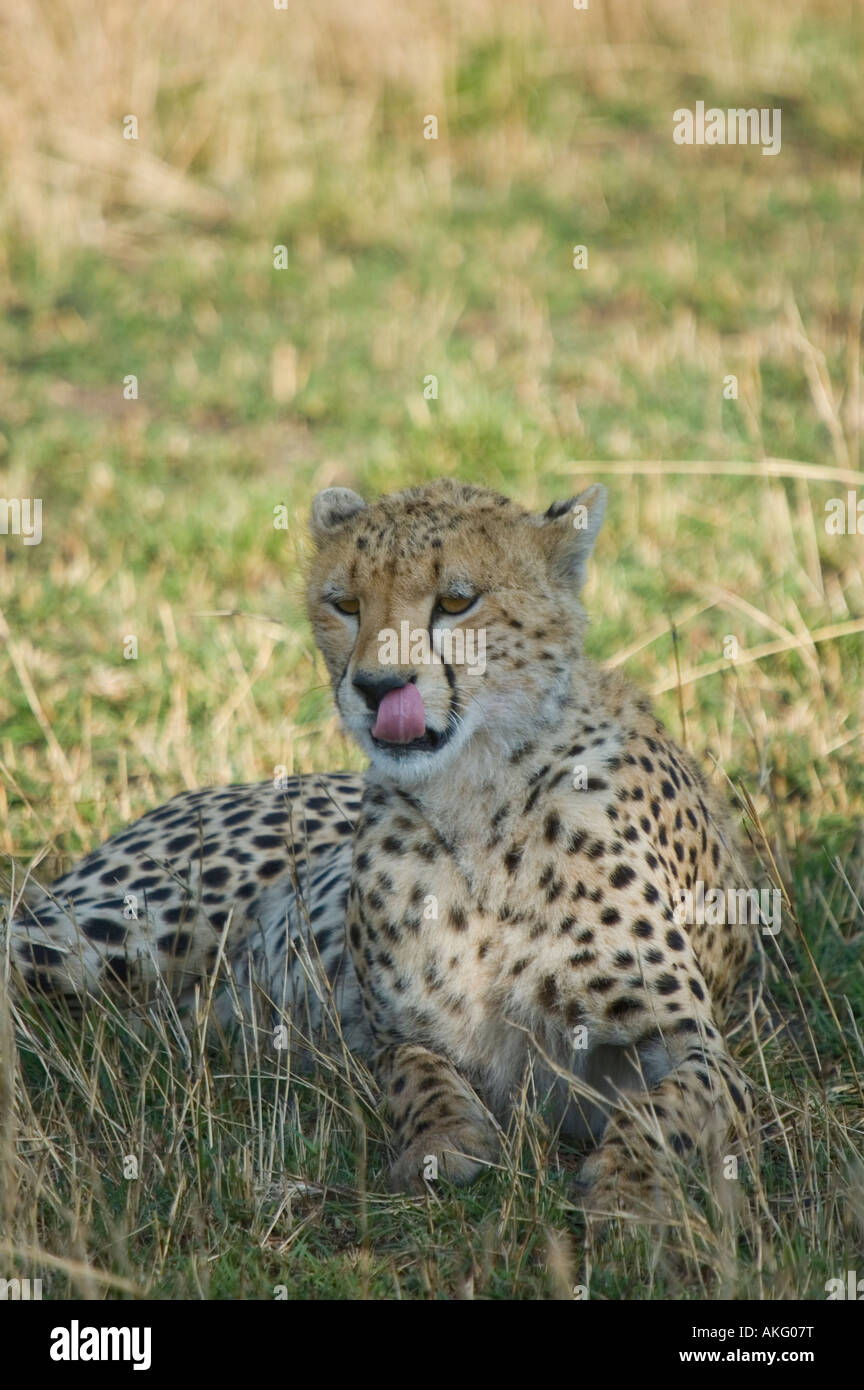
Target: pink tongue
{"x":401,"y":716}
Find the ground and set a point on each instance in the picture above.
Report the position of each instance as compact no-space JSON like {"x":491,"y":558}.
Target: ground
{"x":406,"y":260}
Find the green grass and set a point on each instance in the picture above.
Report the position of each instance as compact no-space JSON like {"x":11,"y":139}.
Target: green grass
{"x":258,"y":386}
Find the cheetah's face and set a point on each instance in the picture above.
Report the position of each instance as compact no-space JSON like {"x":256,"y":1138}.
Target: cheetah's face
{"x":447,"y":614}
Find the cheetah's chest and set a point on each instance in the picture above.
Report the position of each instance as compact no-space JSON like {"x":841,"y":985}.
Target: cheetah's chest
{"x":444,"y":934}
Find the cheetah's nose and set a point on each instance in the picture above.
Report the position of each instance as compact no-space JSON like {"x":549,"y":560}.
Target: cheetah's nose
{"x":373,"y":686}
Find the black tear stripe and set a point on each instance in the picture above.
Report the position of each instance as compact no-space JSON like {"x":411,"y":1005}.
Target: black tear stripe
{"x":453,"y":711}
{"x":338,"y":685}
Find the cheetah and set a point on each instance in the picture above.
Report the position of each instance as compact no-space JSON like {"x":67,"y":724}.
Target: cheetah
{"x":497,"y":899}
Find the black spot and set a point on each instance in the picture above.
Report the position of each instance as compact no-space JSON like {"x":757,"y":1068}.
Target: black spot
{"x":104,"y":929}
{"x":620,"y":1008}
{"x":117,"y":875}
{"x":601,"y":983}
{"x":621,"y":875}
{"x":547,"y":993}
{"x":271,"y":868}
{"x":216,"y":877}
{"x":513,"y":858}
{"x":176,"y":914}
{"x":176,"y":943}
{"x":552,"y":827}
{"x":161,"y":894}
{"x":138,"y":846}
{"x":141,"y":885}
{"x":674,"y":940}
{"x":37,"y":954}
{"x":181,"y":842}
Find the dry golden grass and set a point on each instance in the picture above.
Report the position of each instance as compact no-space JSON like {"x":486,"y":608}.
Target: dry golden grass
{"x":261,"y":127}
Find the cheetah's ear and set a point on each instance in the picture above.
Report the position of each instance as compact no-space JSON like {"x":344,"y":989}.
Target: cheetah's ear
{"x":569,"y":530}
{"x":331,"y":508}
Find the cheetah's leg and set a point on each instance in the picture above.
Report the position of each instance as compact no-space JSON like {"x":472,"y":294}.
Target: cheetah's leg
{"x":698,"y":1104}
{"x":436,"y":1116}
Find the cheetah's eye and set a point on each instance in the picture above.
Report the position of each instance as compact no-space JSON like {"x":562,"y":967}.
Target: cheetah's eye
{"x":347,"y":605}
{"x":456,"y":603}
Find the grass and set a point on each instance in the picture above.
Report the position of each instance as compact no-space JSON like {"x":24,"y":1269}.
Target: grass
{"x":406,"y":259}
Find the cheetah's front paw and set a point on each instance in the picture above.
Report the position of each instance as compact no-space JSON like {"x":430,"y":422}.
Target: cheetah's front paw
{"x":458,"y":1153}
{"x":607,"y":1185}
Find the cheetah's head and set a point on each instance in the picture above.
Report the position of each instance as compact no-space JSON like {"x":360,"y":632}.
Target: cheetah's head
{"x":447,"y":614}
